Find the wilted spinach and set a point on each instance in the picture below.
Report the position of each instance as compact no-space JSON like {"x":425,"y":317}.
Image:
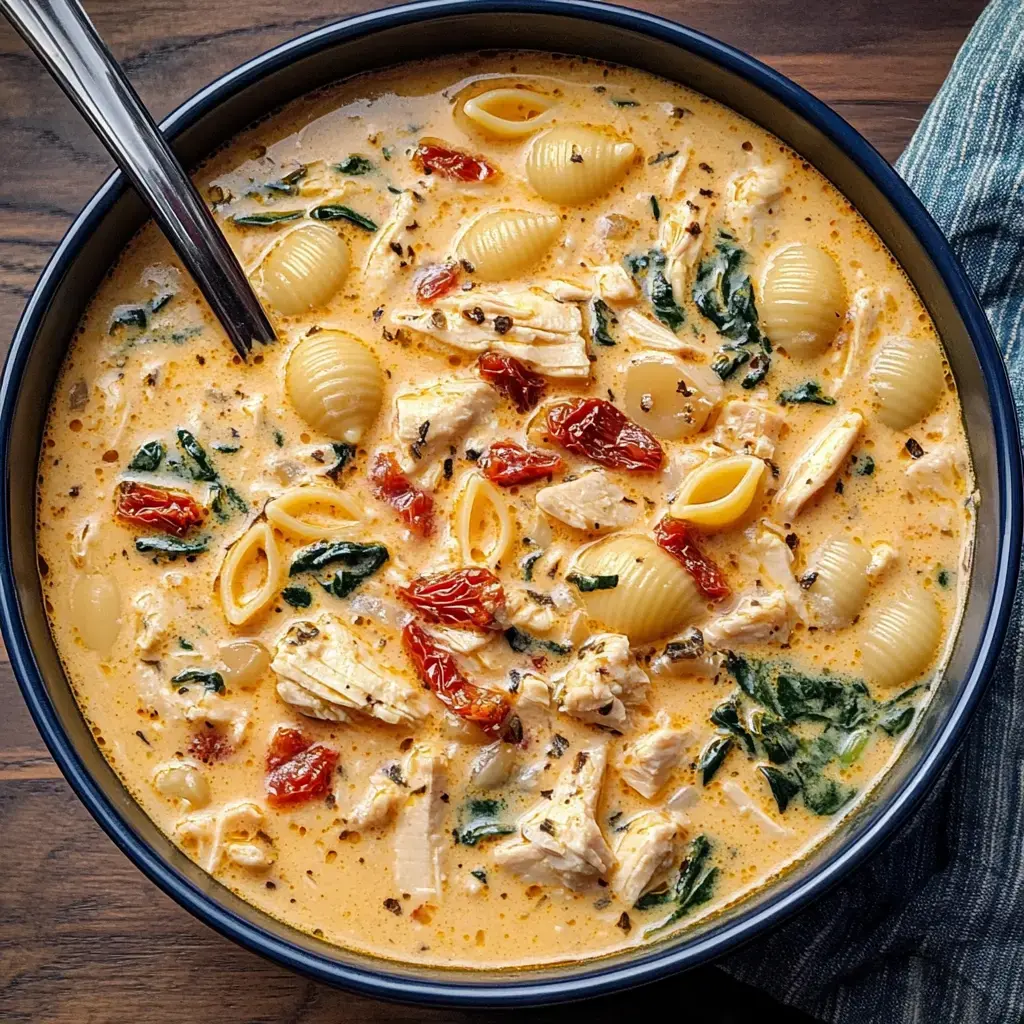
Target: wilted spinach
{"x":361,"y":561}
{"x":602,"y":319}
{"x":694,"y":886}
{"x":809,"y":392}
{"x":648,"y":269}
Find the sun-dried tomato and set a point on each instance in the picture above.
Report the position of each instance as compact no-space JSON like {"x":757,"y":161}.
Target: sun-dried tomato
{"x":436,"y":280}
{"x":510,"y":378}
{"x":285,"y":744}
{"x":305,"y":776}
{"x":171,"y":511}
{"x":677,"y":539}
{"x":209,"y":745}
{"x":462,"y":597}
{"x":596,"y":429}
{"x":414,"y":507}
{"x":451,"y":163}
{"x":507,"y":464}
{"x":437,"y":667}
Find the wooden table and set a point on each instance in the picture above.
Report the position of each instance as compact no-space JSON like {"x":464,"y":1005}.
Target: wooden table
{"x":83,"y":936}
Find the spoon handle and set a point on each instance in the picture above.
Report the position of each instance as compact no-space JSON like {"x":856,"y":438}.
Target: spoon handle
{"x":64,"y":39}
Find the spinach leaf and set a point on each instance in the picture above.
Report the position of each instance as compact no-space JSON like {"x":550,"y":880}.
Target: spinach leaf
{"x":286,"y":185}
{"x":360,"y":560}
{"x":823,"y":795}
{"x":148,"y":458}
{"x":648,"y":269}
{"x":695,"y":885}
{"x":527,"y":564}
{"x":297,"y":597}
{"x":129,"y":316}
{"x":481,"y":820}
{"x":726,"y":716}
{"x":654,"y":899}
{"x":783,"y":784}
{"x":865,"y":466}
{"x":473,"y":834}
{"x":221,"y":497}
{"x":213,"y":681}
{"x":343,"y":454}
{"x":202,"y":468}
{"x":723,"y":292}
{"x":712,"y":756}
{"x":655,"y":208}
{"x":661,"y":156}
{"x":625,"y":103}
{"x":807,"y":393}
{"x":520,"y":641}
{"x":265,"y":220}
{"x":896,"y":721}
{"x":336,"y":211}
{"x":355,"y":165}
{"x":601,"y":320}
{"x":161,"y":544}
{"x":160,"y":301}
{"x":587,"y":584}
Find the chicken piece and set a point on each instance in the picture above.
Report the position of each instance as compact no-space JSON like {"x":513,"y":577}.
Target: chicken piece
{"x":492,"y":767}
{"x":939,"y":473}
{"x":602,"y":683}
{"x":419,"y":837}
{"x":613,"y":284}
{"x":649,"y":760}
{"x":882,"y":557}
{"x":336,"y":674}
{"x":542,"y":333}
{"x":745,"y":805}
{"x":757,"y":618}
{"x":215,"y":710}
{"x":567,"y":291}
{"x":645,"y":849}
{"x":637,"y":328}
{"x":590,"y":502}
{"x":527,"y":612}
{"x":677,"y":168}
{"x":232,"y":834}
{"x":749,"y":428}
{"x":559,"y":841}
{"x":861,"y":320}
{"x":775,"y":560}
{"x":680,"y":236}
{"x":432,"y":419}
{"x":748,"y":197}
{"x":150,"y":625}
{"x":383,"y":263}
{"x":818,"y":464}
{"x":615,"y":225}
{"x":385,"y":790}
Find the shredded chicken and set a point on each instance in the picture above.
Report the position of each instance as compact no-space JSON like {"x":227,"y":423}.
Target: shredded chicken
{"x":559,"y":841}
{"x":232,"y":834}
{"x":757,"y":617}
{"x":748,"y":197}
{"x":325,"y":672}
{"x":419,"y":837}
{"x":218,"y":711}
{"x":432,"y":419}
{"x":883,"y":556}
{"x":613,"y":284}
{"x":680,"y":236}
{"x":525,"y":609}
{"x":818,"y":464}
{"x":861,"y":321}
{"x":637,"y":328}
{"x":541,"y":332}
{"x":602,"y":683}
{"x":775,"y":560}
{"x":749,"y":428}
{"x":384,"y":792}
{"x":150,"y":625}
{"x":646,"y":848}
{"x":650,"y":759}
{"x":567,"y":291}
{"x":382,"y":262}
{"x":590,"y":502}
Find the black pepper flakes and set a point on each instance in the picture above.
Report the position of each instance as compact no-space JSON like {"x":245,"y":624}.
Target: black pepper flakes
{"x":502,"y":324}
{"x":474,"y":315}
{"x":792,"y":540}
{"x":393,"y":905}
{"x":807,"y":580}
{"x":915,"y":450}
{"x":624,"y":923}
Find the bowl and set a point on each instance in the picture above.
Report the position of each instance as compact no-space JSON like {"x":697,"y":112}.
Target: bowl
{"x":609,"y":33}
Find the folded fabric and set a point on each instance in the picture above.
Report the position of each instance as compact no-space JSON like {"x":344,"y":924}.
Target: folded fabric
{"x":932,"y":929}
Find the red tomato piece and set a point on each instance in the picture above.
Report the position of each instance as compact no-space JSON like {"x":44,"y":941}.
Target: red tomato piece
{"x":511,"y":378}
{"x":435,"y":281}
{"x":507,"y":464}
{"x":285,"y":744}
{"x":437,"y":158}
{"x":437,"y":667}
{"x":305,"y":777}
{"x":170,"y":511}
{"x":594,"y":428}
{"x":462,"y":597}
{"x":209,"y":745}
{"x":414,"y":507}
{"x":677,"y":539}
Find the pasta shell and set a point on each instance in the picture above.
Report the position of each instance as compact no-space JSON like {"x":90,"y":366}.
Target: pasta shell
{"x":506,"y":243}
{"x":304,"y":270}
{"x":314,"y":513}
{"x":803,"y":299}
{"x":654,"y":596}
{"x":335,"y":384}
{"x":483,"y":523}
{"x":571,"y":164}
{"x":841,"y":583}
{"x":249,"y":583}
{"x":902,"y":639}
{"x":720,"y":492}
{"x":907,"y":376}
{"x":96,"y":611}
{"x":509,"y":113}
{"x":670,"y":398}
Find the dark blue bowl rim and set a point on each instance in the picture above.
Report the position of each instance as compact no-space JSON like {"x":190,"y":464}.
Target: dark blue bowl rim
{"x":600,"y":977}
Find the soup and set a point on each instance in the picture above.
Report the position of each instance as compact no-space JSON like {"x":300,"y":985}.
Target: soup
{"x":579,"y":557}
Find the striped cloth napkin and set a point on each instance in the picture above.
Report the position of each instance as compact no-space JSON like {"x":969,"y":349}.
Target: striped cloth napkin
{"x":932,"y":929}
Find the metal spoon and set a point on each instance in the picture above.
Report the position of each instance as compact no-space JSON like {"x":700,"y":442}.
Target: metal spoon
{"x":65,"y":41}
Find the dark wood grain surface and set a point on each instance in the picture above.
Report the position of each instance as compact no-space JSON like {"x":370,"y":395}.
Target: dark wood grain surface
{"x":84,"y":937}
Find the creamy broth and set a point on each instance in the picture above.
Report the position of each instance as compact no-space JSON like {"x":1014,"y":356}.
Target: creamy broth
{"x":684,"y":650}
